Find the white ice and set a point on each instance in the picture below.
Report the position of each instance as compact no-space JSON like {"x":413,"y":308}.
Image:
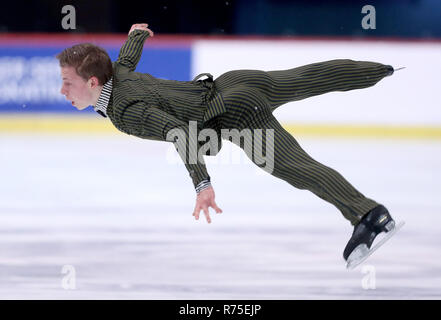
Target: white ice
{"x":118,"y":210}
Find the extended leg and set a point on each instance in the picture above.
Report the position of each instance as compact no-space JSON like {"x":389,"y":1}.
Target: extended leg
{"x":292,"y":164}
{"x":283,"y":86}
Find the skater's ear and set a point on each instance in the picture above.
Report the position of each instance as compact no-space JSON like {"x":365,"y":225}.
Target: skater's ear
{"x":93,"y":82}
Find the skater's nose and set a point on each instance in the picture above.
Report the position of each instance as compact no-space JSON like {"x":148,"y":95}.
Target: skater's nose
{"x":63,"y":90}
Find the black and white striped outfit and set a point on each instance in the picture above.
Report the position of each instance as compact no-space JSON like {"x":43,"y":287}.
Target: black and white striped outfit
{"x":149,"y":108}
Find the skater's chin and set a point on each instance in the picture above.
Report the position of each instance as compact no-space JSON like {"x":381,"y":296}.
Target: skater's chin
{"x":79,"y":107}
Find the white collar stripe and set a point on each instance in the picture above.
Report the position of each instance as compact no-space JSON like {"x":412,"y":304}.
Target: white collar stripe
{"x":104,"y":98}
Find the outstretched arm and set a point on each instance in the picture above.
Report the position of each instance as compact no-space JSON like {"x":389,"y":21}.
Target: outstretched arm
{"x":160,"y":125}
{"x":130,"y":52}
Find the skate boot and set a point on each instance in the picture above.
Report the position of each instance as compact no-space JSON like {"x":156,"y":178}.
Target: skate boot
{"x":390,"y":70}
{"x":376,"y":221}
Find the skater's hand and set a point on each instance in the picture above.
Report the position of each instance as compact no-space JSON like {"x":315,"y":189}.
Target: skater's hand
{"x":141,"y":26}
{"x":204,"y":200}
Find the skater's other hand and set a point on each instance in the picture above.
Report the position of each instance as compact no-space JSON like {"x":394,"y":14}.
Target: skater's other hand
{"x":204,"y":200}
{"x":141,"y":26}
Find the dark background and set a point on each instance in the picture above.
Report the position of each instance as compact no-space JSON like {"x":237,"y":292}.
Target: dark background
{"x":394,"y":18}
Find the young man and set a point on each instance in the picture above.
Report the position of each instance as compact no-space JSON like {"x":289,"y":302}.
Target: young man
{"x":151,"y":108}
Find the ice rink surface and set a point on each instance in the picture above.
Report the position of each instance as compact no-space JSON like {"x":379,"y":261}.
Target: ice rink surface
{"x":110,"y":217}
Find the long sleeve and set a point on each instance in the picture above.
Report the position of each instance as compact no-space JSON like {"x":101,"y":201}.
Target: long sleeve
{"x":131,"y":51}
{"x":159,"y":125}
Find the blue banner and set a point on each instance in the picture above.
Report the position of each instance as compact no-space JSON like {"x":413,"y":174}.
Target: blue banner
{"x":30,"y":79}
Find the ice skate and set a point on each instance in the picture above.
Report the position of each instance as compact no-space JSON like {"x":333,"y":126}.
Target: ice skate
{"x":377,"y":222}
{"x":391,"y":70}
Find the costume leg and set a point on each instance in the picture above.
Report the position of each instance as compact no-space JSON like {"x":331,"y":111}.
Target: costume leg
{"x":293,"y":165}
{"x":283,"y":86}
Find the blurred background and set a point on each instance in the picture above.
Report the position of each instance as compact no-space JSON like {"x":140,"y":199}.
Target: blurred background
{"x":396,"y":18}
{"x":75,"y":192}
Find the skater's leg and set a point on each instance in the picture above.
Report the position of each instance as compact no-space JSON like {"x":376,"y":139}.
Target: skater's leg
{"x":279,"y":87}
{"x":323,"y":77}
{"x":292,"y":164}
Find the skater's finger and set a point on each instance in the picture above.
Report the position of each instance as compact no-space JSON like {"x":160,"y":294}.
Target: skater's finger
{"x":196,"y":213}
{"x":207,"y":214}
{"x":141,"y":26}
{"x":216,"y":208}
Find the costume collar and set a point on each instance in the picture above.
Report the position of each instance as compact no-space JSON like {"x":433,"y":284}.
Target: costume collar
{"x":104,"y":98}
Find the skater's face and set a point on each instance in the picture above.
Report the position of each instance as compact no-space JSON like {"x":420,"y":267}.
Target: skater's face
{"x":78,"y":91}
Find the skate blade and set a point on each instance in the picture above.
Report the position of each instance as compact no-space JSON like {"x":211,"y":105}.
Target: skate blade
{"x":362,"y":252}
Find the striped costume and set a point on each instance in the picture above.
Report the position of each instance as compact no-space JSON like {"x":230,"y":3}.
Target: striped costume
{"x":147,"y":107}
